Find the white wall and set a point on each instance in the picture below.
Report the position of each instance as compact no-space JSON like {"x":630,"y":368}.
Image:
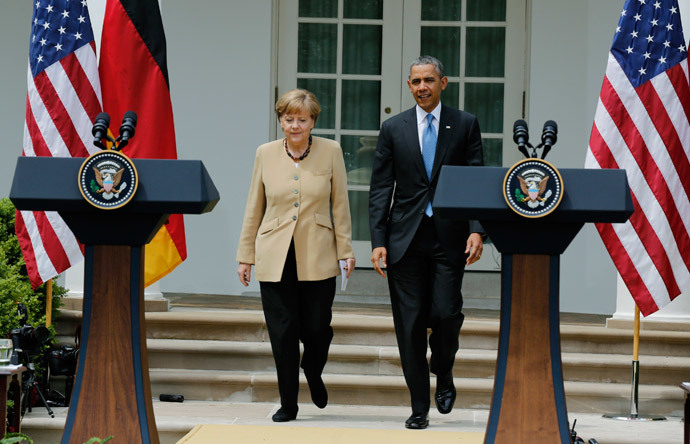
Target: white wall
{"x":569,"y":48}
{"x":219,"y":61}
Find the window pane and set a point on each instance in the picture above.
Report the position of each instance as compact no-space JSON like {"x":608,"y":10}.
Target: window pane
{"x":446,"y":10}
{"x":363,"y":9}
{"x":493,"y":152}
{"x":318,"y":8}
{"x":443,"y":42}
{"x":362,"y":49}
{"x":486,"y":49}
{"x":451,"y":95}
{"x":485,"y":100}
{"x":324,"y":90}
{"x":359,"y":207}
{"x":359,"y":157}
{"x":361,"y":101}
{"x":486,"y":10}
{"x":317,"y":45}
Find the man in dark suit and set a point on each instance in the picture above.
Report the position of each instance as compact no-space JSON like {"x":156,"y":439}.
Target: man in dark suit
{"x":424,"y":254}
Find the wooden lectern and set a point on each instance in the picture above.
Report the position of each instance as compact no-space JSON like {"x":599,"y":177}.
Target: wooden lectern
{"x":112,"y":393}
{"x":528,"y":404}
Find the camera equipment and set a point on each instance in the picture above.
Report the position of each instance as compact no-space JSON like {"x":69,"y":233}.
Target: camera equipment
{"x":29,"y":342}
{"x":62,"y":361}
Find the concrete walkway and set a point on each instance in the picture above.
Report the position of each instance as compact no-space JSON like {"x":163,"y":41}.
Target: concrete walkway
{"x":175,"y":420}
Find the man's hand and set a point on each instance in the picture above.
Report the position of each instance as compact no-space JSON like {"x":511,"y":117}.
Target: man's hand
{"x":378,"y":257}
{"x":244,"y":271}
{"x":475,"y":246}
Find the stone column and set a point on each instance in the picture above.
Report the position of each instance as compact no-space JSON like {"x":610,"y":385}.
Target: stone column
{"x":675,"y":316}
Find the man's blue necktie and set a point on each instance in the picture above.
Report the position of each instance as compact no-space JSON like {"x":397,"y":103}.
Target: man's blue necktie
{"x":428,"y":152}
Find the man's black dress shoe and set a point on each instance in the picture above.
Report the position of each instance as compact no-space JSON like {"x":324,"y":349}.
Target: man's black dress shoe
{"x":282,"y":415}
{"x":319,"y":394}
{"x":417,"y":421}
{"x":445,"y":395}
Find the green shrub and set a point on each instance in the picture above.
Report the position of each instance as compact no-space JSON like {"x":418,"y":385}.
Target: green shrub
{"x":14,"y":281}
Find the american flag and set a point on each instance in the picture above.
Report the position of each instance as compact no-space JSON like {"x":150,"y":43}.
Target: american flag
{"x":63,"y":99}
{"x":641,"y":125}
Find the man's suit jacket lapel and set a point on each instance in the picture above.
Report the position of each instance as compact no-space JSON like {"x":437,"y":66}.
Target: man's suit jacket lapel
{"x":445,"y":131}
{"x":412,"y":138}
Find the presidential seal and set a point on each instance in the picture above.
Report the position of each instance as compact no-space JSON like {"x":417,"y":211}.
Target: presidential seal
{"x":533,"y":188}
{"x":108,"y":179}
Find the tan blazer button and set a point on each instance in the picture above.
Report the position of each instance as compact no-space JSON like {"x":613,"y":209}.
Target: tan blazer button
{"x":294,"y":217}
{"x":295,"y":191}
{"x":297,"y":204}
{"x":296,"y":177}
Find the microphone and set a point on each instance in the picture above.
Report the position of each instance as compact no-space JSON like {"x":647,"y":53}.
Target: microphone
{"x":129,"y":122}
{"x":100,"y":129}
{"x":521,"y":136}
{"x":549,"y":136}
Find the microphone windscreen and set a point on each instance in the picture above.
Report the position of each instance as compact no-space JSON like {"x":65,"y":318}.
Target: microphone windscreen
{"x":552,"y":124}
{"x":131,"y":116}
{"x":104,"y":118}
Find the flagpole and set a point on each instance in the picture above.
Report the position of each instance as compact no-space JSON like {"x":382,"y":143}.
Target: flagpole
{"x":49,"y":302}
{"x":634,"y":390}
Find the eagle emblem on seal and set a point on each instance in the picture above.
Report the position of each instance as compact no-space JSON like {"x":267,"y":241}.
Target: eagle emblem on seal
{"x":533,"y":189}
{"x":109,"y":177}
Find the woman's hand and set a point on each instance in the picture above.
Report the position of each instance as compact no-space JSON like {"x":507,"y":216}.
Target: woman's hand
{"x":244,"y":271}
{"x":349,"y":266}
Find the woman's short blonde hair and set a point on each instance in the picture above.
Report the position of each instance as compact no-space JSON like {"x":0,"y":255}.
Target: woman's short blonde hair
{"x":297,"y":101}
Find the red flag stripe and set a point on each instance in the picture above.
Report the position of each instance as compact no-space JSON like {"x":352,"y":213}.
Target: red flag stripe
{"x":51,"y":243}
{"x":43,"y":263}
{"x":27,"y":248}
{"x":659,"y":168}
{"x":655,"y":254}
{"x":627,"y":269}
{"x":58,"y":113}
{"x":615,"y":144}
{"x":34,"y":145}
{"x":655,"y":179}
{"x":677,"y":79}
{"x":44,"y":124}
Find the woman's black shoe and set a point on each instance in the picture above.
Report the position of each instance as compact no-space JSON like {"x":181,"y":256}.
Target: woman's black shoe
{"x":319,"y":394}
{"x":282,"y":415}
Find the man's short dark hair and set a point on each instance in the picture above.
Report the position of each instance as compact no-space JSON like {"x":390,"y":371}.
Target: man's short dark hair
{"x":429,"y":60}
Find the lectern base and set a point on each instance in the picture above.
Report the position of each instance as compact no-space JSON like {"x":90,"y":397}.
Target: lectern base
{"x":112,"y":395}
{"x":528,"y":403}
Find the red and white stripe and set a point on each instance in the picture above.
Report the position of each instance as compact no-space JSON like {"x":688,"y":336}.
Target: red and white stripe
{"x":62,"y":102}
{"x":646,"y":131}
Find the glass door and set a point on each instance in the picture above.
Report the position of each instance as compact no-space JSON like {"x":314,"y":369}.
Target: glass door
{"x":347,"y":52}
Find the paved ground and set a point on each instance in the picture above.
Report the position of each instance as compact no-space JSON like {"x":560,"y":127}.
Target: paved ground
{"x":174,"y":420}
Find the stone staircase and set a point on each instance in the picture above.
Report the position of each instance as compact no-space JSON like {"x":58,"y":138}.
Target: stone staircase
{"x":224,"y":355}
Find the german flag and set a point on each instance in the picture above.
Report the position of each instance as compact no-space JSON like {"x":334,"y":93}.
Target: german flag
{"x":134,"y":76}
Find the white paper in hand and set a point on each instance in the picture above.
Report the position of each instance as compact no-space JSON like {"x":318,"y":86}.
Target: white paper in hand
{"x":343,"y":274}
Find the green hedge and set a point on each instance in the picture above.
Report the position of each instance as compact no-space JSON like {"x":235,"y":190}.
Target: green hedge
{"x":14,"y":281}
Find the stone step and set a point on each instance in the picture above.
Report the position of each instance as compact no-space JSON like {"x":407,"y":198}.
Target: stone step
{"x":385,"y":360}
{"x":389,"y":390}
{"x":364,"y":329}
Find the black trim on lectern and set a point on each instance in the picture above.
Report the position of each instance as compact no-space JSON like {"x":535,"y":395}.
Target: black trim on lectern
{"x":503,"y":343}
{"x":83,"y":344}
{"x":135,"y":278}
{"x":555,"y":339}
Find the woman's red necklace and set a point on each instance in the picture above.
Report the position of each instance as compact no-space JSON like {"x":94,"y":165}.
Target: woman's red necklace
{"x":303,"y":156}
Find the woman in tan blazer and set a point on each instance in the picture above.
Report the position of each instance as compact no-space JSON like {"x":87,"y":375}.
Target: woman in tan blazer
{"x":296,"y":228}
